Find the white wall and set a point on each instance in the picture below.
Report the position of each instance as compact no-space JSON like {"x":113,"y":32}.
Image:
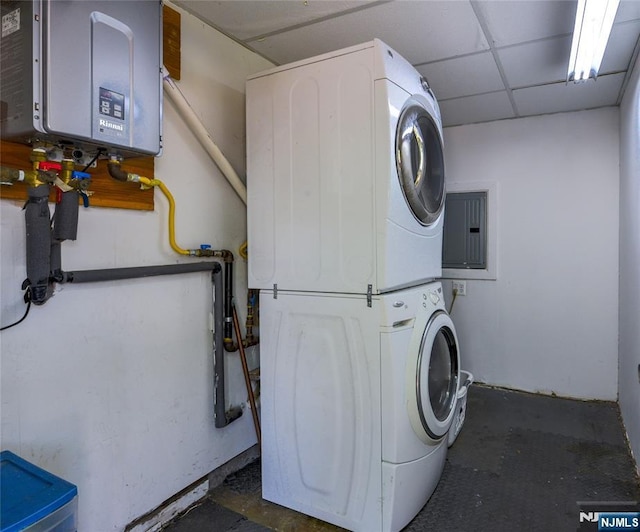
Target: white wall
{"x":549,"y":322}
{"x":110,"y":385}
{"x":629,"y":347}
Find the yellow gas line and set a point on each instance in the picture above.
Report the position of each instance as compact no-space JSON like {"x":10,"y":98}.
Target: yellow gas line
{"x":172,"y":212}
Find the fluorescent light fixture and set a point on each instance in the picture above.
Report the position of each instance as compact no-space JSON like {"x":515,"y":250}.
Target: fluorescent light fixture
{"x":594,"y":20}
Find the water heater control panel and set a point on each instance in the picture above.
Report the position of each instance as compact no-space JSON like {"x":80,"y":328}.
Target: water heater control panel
{"x":83,"y":73}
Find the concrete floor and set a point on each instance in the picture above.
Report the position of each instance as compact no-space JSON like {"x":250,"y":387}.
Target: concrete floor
{"x":522,"y":462}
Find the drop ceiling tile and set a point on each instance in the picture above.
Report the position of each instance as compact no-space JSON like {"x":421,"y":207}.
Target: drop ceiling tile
{"x":463,"y":76}
{"x":480,"y":108}
{"x":561,"y":97}
{"x":537,"y":62}
{"x":252,"y":18}
{"x":622,"y":41}
{"x":419,"y":31}
{"x":628,"y":10}
{"x":448,"y":43}
{"x":513,"y":22}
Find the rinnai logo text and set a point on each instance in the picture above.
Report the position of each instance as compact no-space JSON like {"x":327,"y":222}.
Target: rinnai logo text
{"x":616,"y":521}
{"x":111,"y":125}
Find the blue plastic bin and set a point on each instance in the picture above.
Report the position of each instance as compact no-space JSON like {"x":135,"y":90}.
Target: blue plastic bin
{"x":34,"y":500}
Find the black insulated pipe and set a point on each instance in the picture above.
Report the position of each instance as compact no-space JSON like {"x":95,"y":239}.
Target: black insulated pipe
{"x":65,"y":219}
{"x":118,"y":274}
{"x":56,"y":261}
{"x":222,"y":416}
{"x":38,"y":242}
{"x":218,"y":355}
{"x":65,"y":227}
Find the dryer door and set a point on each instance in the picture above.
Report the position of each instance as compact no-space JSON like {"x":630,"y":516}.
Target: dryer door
{"x":420,"y":161}
{"x":433,"y":375}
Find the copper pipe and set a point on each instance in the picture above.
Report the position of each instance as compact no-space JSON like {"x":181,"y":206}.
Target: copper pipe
{"x":247,"y":380}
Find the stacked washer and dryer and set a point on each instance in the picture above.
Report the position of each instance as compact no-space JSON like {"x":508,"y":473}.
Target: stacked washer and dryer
{"x":359,"y":358}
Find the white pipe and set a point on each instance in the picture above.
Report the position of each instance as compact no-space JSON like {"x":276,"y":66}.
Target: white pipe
{"x":193,"y":122}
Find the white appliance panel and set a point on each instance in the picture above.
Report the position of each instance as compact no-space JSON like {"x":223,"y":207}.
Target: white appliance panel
{"x":404,"y":486}
{"x":353,"y":143}
{"x":338,"y":442}
{"x":309,"y":138}
{"x":325,"y":210}
{"x":321,"y":408}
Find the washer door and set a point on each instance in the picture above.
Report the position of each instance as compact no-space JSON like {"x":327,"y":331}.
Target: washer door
{"x":420,"y":161}
{"x":433,"y":376}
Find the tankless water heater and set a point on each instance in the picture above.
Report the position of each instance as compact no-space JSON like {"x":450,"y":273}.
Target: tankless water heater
{"x":82,"y":73}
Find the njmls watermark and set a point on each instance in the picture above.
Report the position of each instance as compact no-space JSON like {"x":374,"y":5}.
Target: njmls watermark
{"x":612,"y":520}
{"x":609,"y":516}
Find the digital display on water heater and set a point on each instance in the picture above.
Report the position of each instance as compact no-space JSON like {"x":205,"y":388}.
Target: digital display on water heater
{"x":111,"y":103}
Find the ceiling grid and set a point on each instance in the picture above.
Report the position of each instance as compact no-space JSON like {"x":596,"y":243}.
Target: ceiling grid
{"x":485,"y":59}
{"x":496,"y":58}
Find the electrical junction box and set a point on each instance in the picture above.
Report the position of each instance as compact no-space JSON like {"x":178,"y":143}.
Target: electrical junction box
{"x":82,"y":73}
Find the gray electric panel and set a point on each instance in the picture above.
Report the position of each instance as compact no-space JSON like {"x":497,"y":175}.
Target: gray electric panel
{"x":82,"y":73}
{"x":464,"y":243}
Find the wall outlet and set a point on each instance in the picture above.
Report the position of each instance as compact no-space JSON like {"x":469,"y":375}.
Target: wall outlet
{"x":460,"y":287}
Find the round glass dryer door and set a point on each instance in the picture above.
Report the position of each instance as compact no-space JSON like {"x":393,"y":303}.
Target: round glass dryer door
{"x":420,"y":162}
{"x":437,"y":376}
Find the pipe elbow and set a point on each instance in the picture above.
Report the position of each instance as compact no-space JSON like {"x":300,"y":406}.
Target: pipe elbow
{"x":230,"y":346}
{"x":226,"y":255}
{"x":250,"y":341}
{"x":116,"y":172}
